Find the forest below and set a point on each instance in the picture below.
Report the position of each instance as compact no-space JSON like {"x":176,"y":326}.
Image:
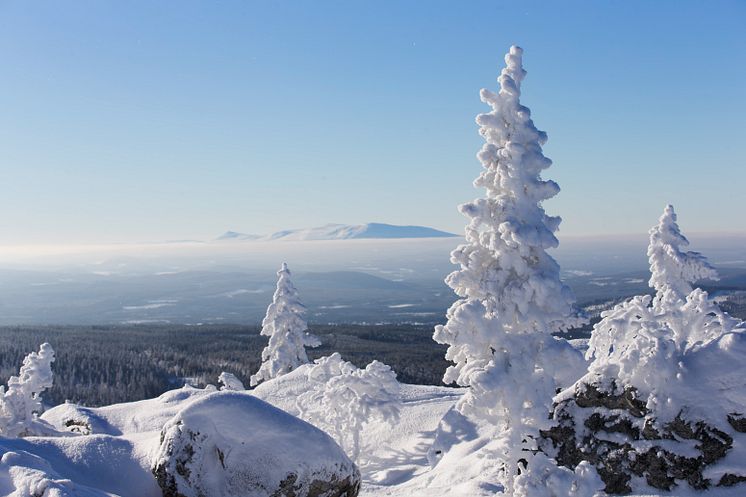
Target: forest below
{"x":101,"y":365}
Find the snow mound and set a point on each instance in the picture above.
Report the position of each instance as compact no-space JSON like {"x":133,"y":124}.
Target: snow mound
{"x":132,"y":417}
{"x":94,"y":465}
{"x":233,"y":444}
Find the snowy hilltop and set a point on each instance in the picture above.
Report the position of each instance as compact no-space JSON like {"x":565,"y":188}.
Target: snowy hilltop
{"x":654,"y":403}
{"x":341,"y":232}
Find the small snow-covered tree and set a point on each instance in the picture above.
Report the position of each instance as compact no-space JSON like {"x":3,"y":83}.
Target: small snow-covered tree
{"x":645,"y":342}
{"x":21,"y":403}
{"x":677,"y":312}
{"x":342,"y":398}
{"x":286,"y":328}
{"x":677,"y":360}
{"x":230,"y":382}
{"x":673,"y":270}
{"x":512,"y":297}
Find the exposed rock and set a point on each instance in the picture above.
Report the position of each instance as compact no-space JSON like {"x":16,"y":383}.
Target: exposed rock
{"x":729,"y":479}
{"x":617,"y":434}
{"x":231,"y":444}
{"x":591,"y":396}
{"x":738,"y":422}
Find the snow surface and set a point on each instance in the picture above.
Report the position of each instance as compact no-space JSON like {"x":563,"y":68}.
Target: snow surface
{"x":399,"y":460}
{"x":396,"y":461}
{"x":117,"y":457}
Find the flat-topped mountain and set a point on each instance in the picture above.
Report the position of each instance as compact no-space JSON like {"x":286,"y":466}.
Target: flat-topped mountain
{"x":343,"y":232}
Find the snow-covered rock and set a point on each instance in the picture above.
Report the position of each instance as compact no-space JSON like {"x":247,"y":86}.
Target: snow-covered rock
{"x":231,"y":444}
{"x":663,"y":402}
{"x":114,"y":450}
{"x":142,"y":416}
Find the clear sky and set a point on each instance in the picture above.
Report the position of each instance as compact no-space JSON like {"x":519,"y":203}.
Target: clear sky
{"x":142,"y":120}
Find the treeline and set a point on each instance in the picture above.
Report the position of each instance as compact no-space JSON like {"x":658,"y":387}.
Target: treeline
{"x":100,"y":365}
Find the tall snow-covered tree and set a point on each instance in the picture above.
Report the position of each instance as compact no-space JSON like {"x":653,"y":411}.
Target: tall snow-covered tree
{"x":21,"y":403}
{"x":512,"y":297}
{"x":286,"y":328}
{"x":673,"y":270}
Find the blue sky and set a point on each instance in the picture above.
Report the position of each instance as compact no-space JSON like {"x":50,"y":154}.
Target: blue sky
{"x":140,"y":120}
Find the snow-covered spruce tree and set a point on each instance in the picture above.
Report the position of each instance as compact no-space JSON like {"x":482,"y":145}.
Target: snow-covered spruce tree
{"x":21,"y":403}
{"x":664,"y":398}
{"x":511,"y":294}
{"x":286,"y":328}
{"x":342,"y":398}
{"x":228,"y":381}
{"x":672,"y":270}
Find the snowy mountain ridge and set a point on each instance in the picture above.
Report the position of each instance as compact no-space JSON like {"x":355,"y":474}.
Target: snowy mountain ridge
{"x":341,"y":232}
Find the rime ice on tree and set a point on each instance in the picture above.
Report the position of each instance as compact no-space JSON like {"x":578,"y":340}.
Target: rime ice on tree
{"x":286,"y":328}
{"x":342,"y":398}
{"x":644,"y":334}
{"x":228,"y":381}
{"x":678,"y":361}
{"x":511,"y":294}
{"x":21,"y":403}
{"x":672,"y":270}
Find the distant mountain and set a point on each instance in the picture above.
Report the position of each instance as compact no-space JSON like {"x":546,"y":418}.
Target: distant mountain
{"x":344,"y":232}
{"x":233,"y":235}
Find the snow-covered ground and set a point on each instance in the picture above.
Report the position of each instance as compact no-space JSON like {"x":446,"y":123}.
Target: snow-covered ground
{"x":116,"y":455}
{"x":110,"y":450}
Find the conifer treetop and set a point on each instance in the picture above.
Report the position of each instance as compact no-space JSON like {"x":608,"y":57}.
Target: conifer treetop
{"x":672,"y":269}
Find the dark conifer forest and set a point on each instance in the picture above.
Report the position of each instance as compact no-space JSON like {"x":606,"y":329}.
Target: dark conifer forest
{"x":101,"y":365}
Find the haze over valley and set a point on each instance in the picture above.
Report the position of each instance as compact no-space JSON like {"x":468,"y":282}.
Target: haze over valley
{"x":354,"y":280}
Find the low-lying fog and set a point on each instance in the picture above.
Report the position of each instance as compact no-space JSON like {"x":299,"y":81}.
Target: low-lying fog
{"x":395,"y":280}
